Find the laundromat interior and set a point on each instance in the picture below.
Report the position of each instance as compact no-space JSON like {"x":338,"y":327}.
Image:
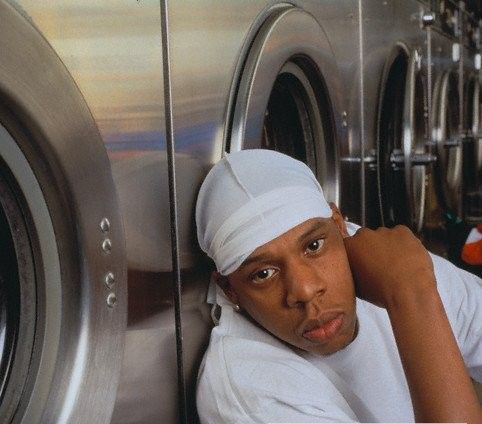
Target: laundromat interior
{"x":111,"y":114}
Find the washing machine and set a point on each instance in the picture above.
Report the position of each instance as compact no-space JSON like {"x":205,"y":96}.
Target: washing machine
{"x":472,"y":176}
{"x":449,"y":114}
{"x":63,"y":266}
{"x":396,"y":113}
{"x":85,"y":117}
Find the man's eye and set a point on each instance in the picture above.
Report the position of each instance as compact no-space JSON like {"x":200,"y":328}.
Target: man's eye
{"x":314,"y":246}
{"x":263,"y":275}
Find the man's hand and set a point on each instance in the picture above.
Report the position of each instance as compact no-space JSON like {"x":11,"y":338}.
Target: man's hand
{"x":392,"y":269}
{"x":389,"y":264}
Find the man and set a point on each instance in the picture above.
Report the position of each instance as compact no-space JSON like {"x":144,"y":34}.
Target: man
{"x":293,"y":343}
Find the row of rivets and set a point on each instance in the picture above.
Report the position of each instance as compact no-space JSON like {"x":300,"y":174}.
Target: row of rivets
{"x":109,"y":278}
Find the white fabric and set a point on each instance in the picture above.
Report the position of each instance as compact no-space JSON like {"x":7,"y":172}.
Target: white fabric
{"x":251,"y":197}
{"x":248,"y":376}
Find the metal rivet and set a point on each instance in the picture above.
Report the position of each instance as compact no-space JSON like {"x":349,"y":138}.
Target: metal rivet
{"x":455,"y":52}
{"x":428,"y":19}
{"x":107,"y":246}
{"x":477,"y":61}
{"x":109,"y":279}
{"x":104,"y":225}
{"x":111,"y":300}
{"x":344,"y":121}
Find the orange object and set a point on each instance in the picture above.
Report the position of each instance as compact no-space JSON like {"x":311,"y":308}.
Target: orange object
{"x":472,"y":250}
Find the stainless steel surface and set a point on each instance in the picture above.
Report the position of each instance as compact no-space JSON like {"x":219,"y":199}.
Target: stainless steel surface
{"x":391,"y":25}
{"x":173,"y":211}
{"x":448,"y":139}
{"x":51,"y":145}
{"x":292,"y":43}
{"x":415,"y":137}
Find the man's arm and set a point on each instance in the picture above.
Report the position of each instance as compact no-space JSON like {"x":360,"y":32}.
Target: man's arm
{"x":393,"y":270}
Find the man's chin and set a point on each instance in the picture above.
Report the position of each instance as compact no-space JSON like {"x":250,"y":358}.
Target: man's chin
{"x":338,"y":343}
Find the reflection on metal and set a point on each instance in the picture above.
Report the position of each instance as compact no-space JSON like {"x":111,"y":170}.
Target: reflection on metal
{"x":447,"y":137}
{"x":283,"y":83}
{"x":415,"y":136}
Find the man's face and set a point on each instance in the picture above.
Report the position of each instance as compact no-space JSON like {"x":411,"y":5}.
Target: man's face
{"x":299,"y":287}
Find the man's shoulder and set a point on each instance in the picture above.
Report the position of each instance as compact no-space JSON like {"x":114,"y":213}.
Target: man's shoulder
{"x":249,"y":358}
{"x":451,"y":280}
{"x":244,"y":348}
{"x":444,"y":269}
{"x":243,"y":373}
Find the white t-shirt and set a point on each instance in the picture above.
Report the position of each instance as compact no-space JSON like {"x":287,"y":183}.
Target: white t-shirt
{"x":249,"y":376}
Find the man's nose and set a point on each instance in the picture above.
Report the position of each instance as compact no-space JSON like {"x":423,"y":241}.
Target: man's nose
{"x":304,"y":282}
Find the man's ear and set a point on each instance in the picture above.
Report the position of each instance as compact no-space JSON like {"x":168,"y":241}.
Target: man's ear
{"x":223,"y":282}
{"x":339,"y":221}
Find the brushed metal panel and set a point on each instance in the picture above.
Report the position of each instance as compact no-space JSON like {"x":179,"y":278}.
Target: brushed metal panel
{"x":113,"y":51}
{"x":53,"y":148}
{"x":345,"y":46}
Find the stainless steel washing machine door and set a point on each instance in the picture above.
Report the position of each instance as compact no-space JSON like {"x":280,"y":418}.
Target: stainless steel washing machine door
{"x":448,"y":142}
{"x":402,"y":155}
{"x":62,"y":266}
{"x":283,"y":101}
{"x":472,"y":150}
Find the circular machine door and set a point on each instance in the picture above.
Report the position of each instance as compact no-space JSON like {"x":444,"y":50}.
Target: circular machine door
{"x":282,"y":102}
{"x":401,"y":141}
{"x":472,"y":148}
{"x":62,"y":259}
{"x":448,"y":142}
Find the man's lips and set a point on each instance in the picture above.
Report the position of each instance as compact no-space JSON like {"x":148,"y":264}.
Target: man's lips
{"x":324,"y":327}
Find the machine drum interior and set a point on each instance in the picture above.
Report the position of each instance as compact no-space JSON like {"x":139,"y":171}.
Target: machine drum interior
{"x":401,"y":151}
{"x":287,"y":124}
{"x":293,"y":121}
{"x":18,"y":298}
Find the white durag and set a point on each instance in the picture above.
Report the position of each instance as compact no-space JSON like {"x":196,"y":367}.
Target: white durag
{"x":250,"y":198}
